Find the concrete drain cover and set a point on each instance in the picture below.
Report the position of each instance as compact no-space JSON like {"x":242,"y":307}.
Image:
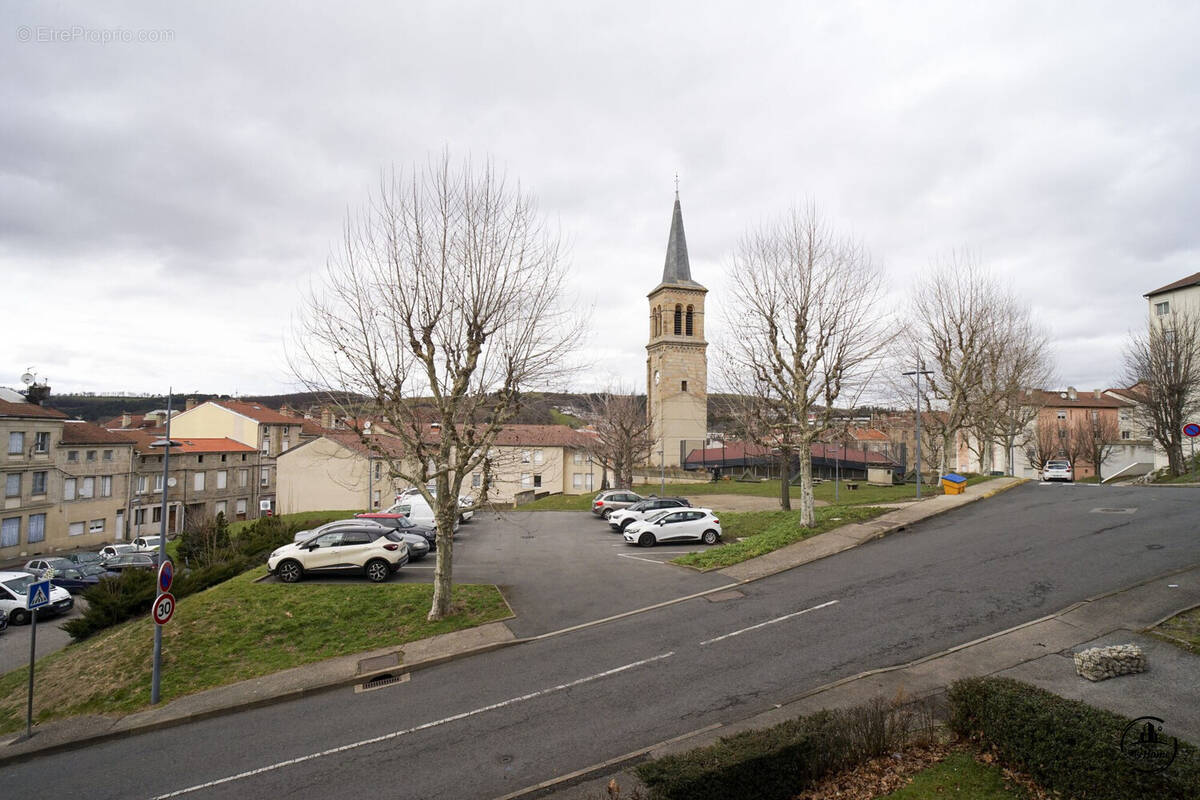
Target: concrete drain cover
{"x":377,"y":663}
{"x":721,"y":597}
{"x":1113,"y":510}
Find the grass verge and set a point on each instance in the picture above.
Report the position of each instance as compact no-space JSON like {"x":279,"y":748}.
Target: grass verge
{"x":960,"y":775}
{"x":1181,"y":630}
{"x":763,"y":531}
{"x":231,"y":632}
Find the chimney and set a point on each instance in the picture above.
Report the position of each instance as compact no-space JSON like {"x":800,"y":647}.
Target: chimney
{"x":189,"y":404}
{"x":286,"y":411}
{"x":1097,"y":393}
{"x":126,"y":420}
{"x":326,"y":418}
{"x":1072,"y":394}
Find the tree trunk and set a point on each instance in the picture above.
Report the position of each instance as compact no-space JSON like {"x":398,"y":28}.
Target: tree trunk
{"x":442,"y":573}
{"x":947,"y":445}
{"x":808,"y":516}
{"x":785,"y":473}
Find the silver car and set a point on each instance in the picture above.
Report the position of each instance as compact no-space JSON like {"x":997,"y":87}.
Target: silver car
{"x":608,"y":502}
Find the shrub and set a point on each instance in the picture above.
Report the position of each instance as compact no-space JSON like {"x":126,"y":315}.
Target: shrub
{"x":1066,"y":745}
{"x":780,"y":761}
{"x":114,"y":600}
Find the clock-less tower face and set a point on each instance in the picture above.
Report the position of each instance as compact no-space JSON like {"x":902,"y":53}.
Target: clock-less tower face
{"x":676,"y":360}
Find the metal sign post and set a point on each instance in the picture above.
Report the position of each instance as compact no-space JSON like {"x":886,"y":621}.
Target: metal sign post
{"x":37,"y":595}
{"x":165,"y":443}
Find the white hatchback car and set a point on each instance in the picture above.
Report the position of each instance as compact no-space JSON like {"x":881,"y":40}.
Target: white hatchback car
{"x":675,"y":525}
{"x":372,"y":550}
{"x":1058,"y":470}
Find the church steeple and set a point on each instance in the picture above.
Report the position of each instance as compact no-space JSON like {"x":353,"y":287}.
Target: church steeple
{"x":677,"y":270}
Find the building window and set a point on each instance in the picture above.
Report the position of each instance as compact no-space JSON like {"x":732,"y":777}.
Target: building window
{"x":476,"y":480}
{"x":222,"y":458}
{"x":688,"y":329}
{"x":106,"y":486}
{"x":198,"y":481}
{"x":577,"y":457}
{"x":577,"y":480}
{"x":16,"y":443}
{"x":155,"y":514}
{"x":37,"y":528}
{"x":68,"y":488}
{"x":75,"y":529}
{"x":91,"y":455}
{"x":199,"y":459}
{"x":10,"y":532}
{"x":678,"y":320}
{"x":141,"y":484}
{"x":39,"y":483}
{"x":108,"y":455}
{"x":266,"y":443}
{"x":87,"y":488}
{"x":375,"y":499}
{"x":240,"y":509}
{"x":139,"y":516}
{"x":1162,"y":308}
{"x":525,"y":458}
{"x":526,"y":479}
{"x":283,"y":445}
{"x":537,"y":456}
{"x":683,"y":386}
{"x":41,"y":442}
{"x":243,"y":456}
{"x":12,"y":484}
{"x":220,"y":507}
{"x":378,"y":470}
{"x":158,"y":483}
{"x":243,"y":477}
{"x":537,"y":481}
{"x":264,"y":477}
{"x":96,"y":526}
{"x":72,"y":455}
{"x":222,"y":478}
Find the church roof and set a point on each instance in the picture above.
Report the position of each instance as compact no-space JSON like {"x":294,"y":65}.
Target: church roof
{"x":677,"y":271}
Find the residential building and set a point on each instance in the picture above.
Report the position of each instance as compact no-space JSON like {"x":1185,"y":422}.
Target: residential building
{"x":94,"y":466}
{"x":1181,"y":296}
{"x":31,"y":520}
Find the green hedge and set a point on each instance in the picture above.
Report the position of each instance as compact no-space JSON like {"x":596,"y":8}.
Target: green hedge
{"x":115,"y":600}
{"x":780,"y":761}
{"x":1065,"y":745}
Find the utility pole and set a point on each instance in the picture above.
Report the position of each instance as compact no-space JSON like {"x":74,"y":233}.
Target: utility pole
{"x":918,"y":372}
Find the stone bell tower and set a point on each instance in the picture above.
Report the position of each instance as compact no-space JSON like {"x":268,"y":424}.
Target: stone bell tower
{"x":676,"y":360}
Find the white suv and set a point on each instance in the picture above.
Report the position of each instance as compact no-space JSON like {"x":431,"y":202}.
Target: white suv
{"x":372,"y":550}
{"x":14,"y":597}
{"x":675,"y":525}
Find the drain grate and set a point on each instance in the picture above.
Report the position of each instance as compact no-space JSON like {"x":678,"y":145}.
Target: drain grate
{"x":380,"y":681}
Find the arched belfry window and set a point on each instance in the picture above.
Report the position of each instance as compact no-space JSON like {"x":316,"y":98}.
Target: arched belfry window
{"x":689,"y":321}
{"x":656,"y":321}
{"x":678,"y":320}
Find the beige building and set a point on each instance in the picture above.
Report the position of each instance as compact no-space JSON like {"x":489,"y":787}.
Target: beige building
{"x":94,"y":465}
{"x":1180,"y":297}
{"x":336,"y":472}
{"x":676,"y":359}
{"x":31,"y":520}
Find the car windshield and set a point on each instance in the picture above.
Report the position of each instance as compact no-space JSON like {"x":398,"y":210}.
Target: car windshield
{"x":657,"y":515}
{"x":19,"y":585}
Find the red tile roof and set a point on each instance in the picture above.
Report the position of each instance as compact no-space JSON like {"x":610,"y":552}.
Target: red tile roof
{"x":257,"y":412}
{"x":1182,"y":283}
{"x":868,"y":435}
{"x":75,"y":432}
{"x":8,"y":409}
{"x":143,"y":439}
{"x":1083,"y":399}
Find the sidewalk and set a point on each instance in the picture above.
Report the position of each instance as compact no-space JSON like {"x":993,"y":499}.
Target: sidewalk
{"x":355,"y":669}
{"x":1039,"y":652}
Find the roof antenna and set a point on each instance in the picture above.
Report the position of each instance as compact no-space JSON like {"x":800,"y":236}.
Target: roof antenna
{"x":676,"y":185}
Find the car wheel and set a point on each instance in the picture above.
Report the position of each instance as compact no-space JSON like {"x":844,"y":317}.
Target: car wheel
{"x":18,"y":616}
{"x":289,"y":571}
{"x":378,"y":570}
{"x":646,"y":540}
{"x":607,"y":513}
{"x":625,"y":523}
{"x":710,"y":537}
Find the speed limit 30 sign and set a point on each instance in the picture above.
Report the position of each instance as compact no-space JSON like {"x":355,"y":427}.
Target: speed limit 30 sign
{"x":164,"y":607}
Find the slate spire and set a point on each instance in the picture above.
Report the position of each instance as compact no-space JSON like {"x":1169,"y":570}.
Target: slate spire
{"x":677,"y":269}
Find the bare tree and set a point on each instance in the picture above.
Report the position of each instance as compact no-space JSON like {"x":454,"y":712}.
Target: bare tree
{"x":623,"y":438}
{"x":1162,"y":367}
{"x":1096,"y":436}
{"x":809,"y":331}
{"x":1044,"y":442}
{"x":443,"y":304}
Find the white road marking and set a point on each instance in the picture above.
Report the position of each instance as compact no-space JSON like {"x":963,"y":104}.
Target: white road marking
{"x":396,"y":734}
{"x":639,"y":558}
{"x":768,"y":622}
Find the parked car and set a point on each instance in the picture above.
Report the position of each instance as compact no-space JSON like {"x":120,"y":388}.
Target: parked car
{"x":621,"y":519}
{"x":417,"y":509}
{"x":14,"y":597}
{"x":466,"y":504}
{"x":146,"y":560}
{"x":38,"y":566}
{"x":336,"y":525}
{"x":684,"y":525}
{"x":1058,"y":470}
{"x":79,"y":578}
{"x":608,"y":502}
{"x":144,"y":544}
{"x":370,"y":549}
{"x":113,"y":550}
{"x":85,"y":557}
{"x":3,"y":621}
{"x":403,"y":524}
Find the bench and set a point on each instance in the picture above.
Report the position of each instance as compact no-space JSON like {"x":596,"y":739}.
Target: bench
{"x":852,"y":486}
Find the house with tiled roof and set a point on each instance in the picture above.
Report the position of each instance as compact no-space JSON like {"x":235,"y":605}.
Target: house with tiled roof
{"x":338,"y":471}
{"x":1181,"y":296}
{"x":94,"y":466}
{"x":31,"y":521}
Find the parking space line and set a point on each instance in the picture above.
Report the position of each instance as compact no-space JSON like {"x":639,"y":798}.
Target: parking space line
{"x":768,"y":622}
{"x":396,"y":734}
{"x":640,"y":558}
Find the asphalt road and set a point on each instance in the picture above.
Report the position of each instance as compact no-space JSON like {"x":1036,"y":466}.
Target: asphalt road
{"x":488,"y":725}
{"x":14,"y":642}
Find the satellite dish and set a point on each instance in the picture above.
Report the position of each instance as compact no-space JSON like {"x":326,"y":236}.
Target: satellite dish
{"x":27,"y":378}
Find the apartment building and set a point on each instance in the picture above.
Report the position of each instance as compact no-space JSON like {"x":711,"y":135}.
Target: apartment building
{"x":94,"y":466}
{"x":30,"y":521}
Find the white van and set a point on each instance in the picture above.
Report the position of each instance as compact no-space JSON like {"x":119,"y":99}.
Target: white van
{"x":416,"y":508}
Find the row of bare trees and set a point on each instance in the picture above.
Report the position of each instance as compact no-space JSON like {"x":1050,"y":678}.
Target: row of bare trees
{"x":1086,"y":439}
{"x":1162,"y":365}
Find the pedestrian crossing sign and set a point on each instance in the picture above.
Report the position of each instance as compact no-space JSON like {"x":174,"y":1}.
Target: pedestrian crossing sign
{"x":39,"y":594}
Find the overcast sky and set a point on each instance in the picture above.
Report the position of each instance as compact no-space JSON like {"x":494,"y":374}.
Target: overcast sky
{"x":164,"y":197}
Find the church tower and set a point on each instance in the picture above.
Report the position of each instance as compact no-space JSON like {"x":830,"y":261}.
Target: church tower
{"x":676,"y":363}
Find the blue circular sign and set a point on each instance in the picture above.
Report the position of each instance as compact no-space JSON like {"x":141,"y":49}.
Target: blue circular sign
{"x":1191,"y":429}
{"x":166,"y":573}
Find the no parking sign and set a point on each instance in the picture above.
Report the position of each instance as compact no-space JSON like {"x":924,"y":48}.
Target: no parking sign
{"x":1191,"y":429}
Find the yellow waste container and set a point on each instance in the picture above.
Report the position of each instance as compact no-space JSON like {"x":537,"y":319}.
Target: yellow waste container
{"x":953,"y":483}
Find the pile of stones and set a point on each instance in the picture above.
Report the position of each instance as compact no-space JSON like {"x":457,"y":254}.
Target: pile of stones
{"x":1101,"y":663}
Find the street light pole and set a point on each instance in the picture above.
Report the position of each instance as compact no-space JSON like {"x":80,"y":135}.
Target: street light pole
{"x":918,"y":373}
{"x":662,"y":465}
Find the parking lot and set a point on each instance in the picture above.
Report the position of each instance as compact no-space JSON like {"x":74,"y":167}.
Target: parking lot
{"x":561,"y":568}
{"x":14,"y":643}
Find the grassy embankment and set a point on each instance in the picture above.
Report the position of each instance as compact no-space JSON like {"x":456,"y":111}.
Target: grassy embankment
{"x":232,"y":632}
{"x":960,"y":775}
{"x":1181,"y":630}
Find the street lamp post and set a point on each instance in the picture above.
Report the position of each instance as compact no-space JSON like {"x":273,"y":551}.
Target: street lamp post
{"x":166,"y":444}
{"x":662,"y":466}
{"x":918,"y":373}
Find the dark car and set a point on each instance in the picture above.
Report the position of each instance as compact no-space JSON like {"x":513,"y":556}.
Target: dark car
{"x":77,"y":579}
{"x":86,"y":557}
{"x":132,"y":561}
{"x":401,"y":523}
